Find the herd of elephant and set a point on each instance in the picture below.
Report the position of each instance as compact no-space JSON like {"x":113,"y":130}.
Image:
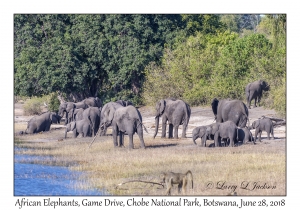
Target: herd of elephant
{"x":89,"y":118}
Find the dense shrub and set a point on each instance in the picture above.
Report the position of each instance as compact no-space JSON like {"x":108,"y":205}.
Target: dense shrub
{"x":33,"y":106}
{"x":53,"y":102}
{"x":217,"y":66}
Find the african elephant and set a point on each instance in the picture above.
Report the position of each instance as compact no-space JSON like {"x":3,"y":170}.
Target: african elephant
{"x":234,"y":110}
{"x":77,"y":114}
{"x":69,"y":107}
{"x":93,"y":115}
{"x":107,"y":114}
{"x":254,"y":91}
{"x":176,"y":112}
{"x":200,"y":132}
{"x":55,"y":118}
{"x":41,"y":123}
{"x":81,"y":126}
{"x":124,"y":103}
{"x":225,"y":130}
{"x":66,"y":108}
{"x":244,"y":135}
{"x":264,"y":124}
{"x":127,"y":120}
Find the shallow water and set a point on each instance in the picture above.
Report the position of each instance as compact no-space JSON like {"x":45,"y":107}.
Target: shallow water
{"x":36,"y":179}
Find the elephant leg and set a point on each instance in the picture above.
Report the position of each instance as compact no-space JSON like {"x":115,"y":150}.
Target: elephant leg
{"x":121,"y":139}
{"x":176,"y":131}
{"x":272,"y":132}
{"x":268,"y":135}
{"x":203,"y":141}
{"x":74,"y":133}
{"x":216,"y":138}
{"x":140,"y":134}
{"x":130,"y":135}
{"x":184,"y":127}
{"x":115,"y":131}
{"x":170,"y":131}
{"x":164,"y":125}
{"x":259,"y":137}
{"x":255,"y":135}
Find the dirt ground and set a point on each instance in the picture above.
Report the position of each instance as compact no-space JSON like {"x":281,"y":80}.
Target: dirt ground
{"x":199,"y":116}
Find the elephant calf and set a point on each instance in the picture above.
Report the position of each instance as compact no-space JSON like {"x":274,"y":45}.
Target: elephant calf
{"x":80,"y":126}
{"x":225,"y":130}
{"x":264,"y":124}
{"x":200,"y":132}
{"x":244,"y":135}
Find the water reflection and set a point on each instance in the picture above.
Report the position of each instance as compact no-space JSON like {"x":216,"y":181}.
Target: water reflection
{"x":37,"y":179}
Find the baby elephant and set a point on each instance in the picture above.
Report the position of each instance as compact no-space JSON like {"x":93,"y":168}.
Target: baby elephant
{"x":264,"y":124}
{"x":244,"y":135}
{"x":200,"y":132}
{"x":80,"y":126}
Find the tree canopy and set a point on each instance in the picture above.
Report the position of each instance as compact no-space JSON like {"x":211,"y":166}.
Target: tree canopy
{"x":142,"y":57}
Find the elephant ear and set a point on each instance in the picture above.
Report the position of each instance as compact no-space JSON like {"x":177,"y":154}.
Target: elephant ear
{"x":110,"y":114}
{"x":73,"y":125}
{"x":162,"y":106}
{"x":255,"y":124}
{"x":214,"y":106}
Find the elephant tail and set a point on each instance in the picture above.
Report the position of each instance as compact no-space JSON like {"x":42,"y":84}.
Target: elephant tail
{"x":140,"y":123}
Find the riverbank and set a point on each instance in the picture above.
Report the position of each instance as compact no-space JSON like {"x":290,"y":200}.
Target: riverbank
{"x":246,"y":169}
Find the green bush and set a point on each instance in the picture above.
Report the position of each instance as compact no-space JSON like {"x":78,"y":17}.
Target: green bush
{"x":33,"y":106}
{"x":53,"y":102}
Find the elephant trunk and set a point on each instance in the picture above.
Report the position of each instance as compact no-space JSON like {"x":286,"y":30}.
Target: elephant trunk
{"x":156,"y":125}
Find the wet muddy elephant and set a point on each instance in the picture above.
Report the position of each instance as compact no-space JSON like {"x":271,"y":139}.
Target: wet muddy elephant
{"x":175,"y":112}
{"x":41,"y":123}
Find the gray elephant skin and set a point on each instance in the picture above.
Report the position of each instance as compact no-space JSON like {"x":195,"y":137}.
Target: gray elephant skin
{"x":107,"y":114}
{"x":233,"y":110}
{"x":223,"y":131}
{"x":124,"y":103}
{"x":69,"y":107}
{"x":41,"y":123}
{"x":93,"y":115}
{"x":79,"y":127}
{"x":77,"y":114}
{"x":176,"y":112}
{"x":127,"y":120}
{"x":245,"y":135}
{"x":200,"y":132}
{"x":261,"y":125}
{"x":254,"y":91}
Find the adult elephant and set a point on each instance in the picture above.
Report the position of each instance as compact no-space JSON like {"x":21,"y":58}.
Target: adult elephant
{"x":107,"y":115}
{"x":127,"y":120}
{"x":254,"y":91}
{"x":233,"y":110}
{"x":66,"y":107}
{"x":93,"y":115}
{"x":69,"y":107}
{"x":176,"y":112}
{"x":41,"y":123}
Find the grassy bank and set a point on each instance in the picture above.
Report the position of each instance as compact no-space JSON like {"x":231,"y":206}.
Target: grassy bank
{"x":107,"y":166}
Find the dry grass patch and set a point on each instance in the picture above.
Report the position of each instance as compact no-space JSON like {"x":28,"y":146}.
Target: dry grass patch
{"x":106,"y":166}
